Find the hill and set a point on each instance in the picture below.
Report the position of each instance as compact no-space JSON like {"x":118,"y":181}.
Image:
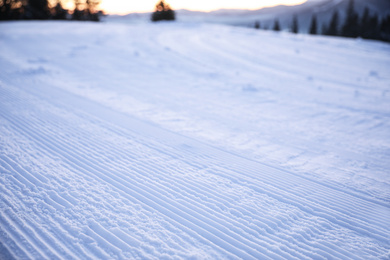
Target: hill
{"x":180,"y":140}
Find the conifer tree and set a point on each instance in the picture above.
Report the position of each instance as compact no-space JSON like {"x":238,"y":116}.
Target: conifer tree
{"x":333,"y":28}
{"x":373,"y":28}
{"x":257,"y":25}
{"x":351,"y":23}
{"x":78,"y":12}
{"x":369,"y":26}
{"x":313,"y":25}
{"x":385,"y":29}
{"x":324,"y":29}
{"x":276,"y":25}
{"x":92,"y":13}
{"x":37,"y":9}
{"x":163,"y":12}
{"x":59,"y":12}
{"x":364,"y":23}
{"x":11,"y":9}
{"x":294,"y":27}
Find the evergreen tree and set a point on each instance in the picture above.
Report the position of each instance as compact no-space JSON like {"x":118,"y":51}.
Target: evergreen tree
{"x":351,"y":23}
{"x":5,"y":9}
{"x":313,"y":25}
{"x":37,"y":9}
{"x":374,"y":28}
{"x":11,"y":9}
{"x":294,"y":27}
{"x":163,"y":12}
{"x":41,"y":9}
{"x":91,"y":10}
{"x":369,"y":26}
{"x":385,"y":29}
{"x":257,"y":25}
{"x":59,"y":13}
{"x":86,"y":10}
{"x":324,"y":29}
{"x":276,"y":25}
{"x":78,"y":12}
{"x":364,"y":24}
{"x":333,"y":28}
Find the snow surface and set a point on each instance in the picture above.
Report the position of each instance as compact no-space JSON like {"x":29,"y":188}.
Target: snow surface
{"x":183,"y":140}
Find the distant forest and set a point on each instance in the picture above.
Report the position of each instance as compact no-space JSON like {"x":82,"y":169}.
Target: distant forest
{"x":84,"y":10}
{"x":367,"y":26}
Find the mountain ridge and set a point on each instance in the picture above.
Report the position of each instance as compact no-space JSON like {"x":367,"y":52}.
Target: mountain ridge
{"x":323,"y":9}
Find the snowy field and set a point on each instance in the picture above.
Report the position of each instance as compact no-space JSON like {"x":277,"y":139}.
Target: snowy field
{"x":191,"y":141}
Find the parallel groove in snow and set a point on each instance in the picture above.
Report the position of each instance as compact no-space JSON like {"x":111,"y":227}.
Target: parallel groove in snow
{"x":151,"y":199}
{"x":60,"y":233}
{"x":93,"y":166}
{"x":182,"y":187}
{"x":167,"y":211}
{"x":349,"y":209}
{"x":89,"y":182}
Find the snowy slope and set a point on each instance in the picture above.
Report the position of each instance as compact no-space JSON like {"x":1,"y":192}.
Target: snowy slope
{"x":195,"y":141}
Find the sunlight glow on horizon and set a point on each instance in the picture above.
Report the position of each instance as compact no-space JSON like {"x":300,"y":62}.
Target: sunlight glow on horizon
{"x":125,"y":7}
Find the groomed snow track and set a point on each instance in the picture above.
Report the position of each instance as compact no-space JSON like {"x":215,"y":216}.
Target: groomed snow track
{"x":83,"y":181}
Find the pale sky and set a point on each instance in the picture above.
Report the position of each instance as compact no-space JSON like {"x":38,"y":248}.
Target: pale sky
{"x":127,"y":6}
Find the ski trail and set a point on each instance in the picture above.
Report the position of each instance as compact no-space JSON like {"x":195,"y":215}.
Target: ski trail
{"x":247,"y":174}
{"x":82,"y":179}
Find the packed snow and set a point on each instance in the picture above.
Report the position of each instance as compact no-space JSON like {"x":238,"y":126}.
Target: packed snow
{"x":191,"y":141}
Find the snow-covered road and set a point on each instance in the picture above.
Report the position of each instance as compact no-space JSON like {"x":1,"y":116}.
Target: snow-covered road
{"x":191,"y":141}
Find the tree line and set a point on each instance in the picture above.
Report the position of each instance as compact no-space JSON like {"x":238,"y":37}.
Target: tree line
{"x":84,"y":10}
{"x":368,"y":26}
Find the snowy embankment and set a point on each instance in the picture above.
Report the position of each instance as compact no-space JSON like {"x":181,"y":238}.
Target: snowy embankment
{"x":181,"y":140}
